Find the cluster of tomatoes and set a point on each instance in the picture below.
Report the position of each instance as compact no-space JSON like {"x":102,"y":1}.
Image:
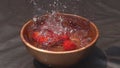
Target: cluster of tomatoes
{"x":51,"y":37}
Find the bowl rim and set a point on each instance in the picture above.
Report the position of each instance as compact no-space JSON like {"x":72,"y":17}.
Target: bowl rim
{"x":59,"y":52}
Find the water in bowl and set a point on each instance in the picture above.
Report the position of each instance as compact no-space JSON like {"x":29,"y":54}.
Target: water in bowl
{"x":59,"y":32}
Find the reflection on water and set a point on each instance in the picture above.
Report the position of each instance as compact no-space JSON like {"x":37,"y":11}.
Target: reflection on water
{"x":96,"y":60}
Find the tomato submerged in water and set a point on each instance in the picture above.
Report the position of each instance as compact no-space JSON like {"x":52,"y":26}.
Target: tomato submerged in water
{"x":69,"y":45}
{"x":37,"y":37}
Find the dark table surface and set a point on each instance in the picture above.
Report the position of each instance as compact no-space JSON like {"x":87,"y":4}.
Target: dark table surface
{"x":104,"y":13}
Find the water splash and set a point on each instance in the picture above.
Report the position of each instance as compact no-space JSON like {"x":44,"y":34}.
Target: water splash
{"x":51,"y":26}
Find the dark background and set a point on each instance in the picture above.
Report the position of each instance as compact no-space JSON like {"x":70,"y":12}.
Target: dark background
{"x":104,"y":13}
